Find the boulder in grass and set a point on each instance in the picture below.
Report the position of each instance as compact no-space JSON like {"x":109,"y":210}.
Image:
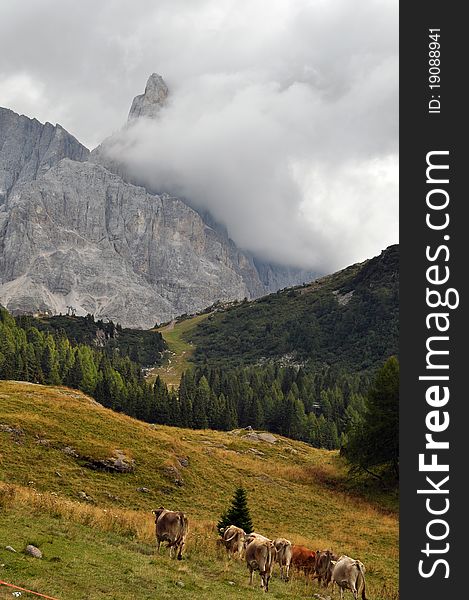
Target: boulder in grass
{"x":33,"y":551}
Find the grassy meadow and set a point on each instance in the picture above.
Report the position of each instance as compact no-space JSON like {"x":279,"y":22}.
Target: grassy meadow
{"x":101,"y":544}
{"x":177,"y":357}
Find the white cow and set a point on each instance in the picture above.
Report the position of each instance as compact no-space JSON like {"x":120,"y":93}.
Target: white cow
{"x":260,"y":556}
{"x":233,"y":540}
{"x":284,"y":556}
{"x":349,"y":574}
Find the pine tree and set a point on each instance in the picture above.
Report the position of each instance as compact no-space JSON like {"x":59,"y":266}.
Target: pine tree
{"x":373,"y":445}
{"x":238,"y":513}
{"x":200,"y":405}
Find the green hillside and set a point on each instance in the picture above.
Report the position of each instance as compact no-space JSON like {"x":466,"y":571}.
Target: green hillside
{"x":349,"y":320}
{"x":61,"y":492}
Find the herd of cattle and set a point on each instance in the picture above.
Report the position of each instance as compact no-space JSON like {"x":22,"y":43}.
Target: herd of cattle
{"x":261,"y":554}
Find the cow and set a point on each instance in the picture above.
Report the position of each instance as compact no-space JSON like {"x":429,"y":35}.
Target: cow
{"x":284,"y":556}
{"x":303,"y":559}
{"x":254,"y":536}
{"x":325,"y":560}
{"x":233,"y":540}
{"x":171,"y":527}
{"x":260,"y":556}
{"x":349,"y":574}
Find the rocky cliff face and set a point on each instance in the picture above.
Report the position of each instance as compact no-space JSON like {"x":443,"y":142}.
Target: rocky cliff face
{"x":75,"y":231}
{"x":29,"y":148}
{"x":150,"y":102}
{"x":80,"y":236}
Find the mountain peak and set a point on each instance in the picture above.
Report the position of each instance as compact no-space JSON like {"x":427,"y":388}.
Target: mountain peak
{"x":150,"y":102}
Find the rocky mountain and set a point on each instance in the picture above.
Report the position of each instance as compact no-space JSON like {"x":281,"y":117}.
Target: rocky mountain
{"x":150,"y":102}
{"x":29,"y":148}
{"x":75,"y":231}
{"x":80,"y":236}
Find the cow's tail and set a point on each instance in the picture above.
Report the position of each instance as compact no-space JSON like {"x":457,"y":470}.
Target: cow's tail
{"x":272,"y":553}
{"x":184,"y":525}
{"x":359,"y":565}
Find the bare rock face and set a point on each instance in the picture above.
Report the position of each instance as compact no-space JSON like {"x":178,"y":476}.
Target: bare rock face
{"x":29,"y":148}
{"x":150,"y":102}
{"x":80,"y":236}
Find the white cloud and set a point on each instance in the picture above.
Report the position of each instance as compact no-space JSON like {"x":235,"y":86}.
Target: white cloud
{"x":282,"y":120}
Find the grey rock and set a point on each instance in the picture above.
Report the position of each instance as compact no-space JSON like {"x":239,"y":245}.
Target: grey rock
{"x":256,"y":452}
{"x":183,"y":461}
{"x":173,"y":475}
{"x":9,"y":429}
{"x":264,"y":436}
{"x":276,"y":277}
{"x":119,"y":463}
{"x":33,"y":551}
{"x":180,"y":584}
{"x":144,"y":490}
{"x":70,"y":451}
{"x":84,"y":496}
{"x":151,"y":101}
{"x":81,"y":236}
{"x":113,"y":497}
{"x":10,"y":549}
{"x":29,"y":148}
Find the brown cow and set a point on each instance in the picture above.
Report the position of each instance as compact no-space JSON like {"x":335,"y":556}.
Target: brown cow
{"x":171,"y":527}
{"x":325,"y":560}
{"x":349,"y":574}
{"x":303,"y":559}
{"x":284,"y":556}
{"x":260,"y":556}
{"x":233,"y":540}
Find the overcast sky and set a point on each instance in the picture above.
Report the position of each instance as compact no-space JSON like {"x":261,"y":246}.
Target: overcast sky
{"x":282,"y":119}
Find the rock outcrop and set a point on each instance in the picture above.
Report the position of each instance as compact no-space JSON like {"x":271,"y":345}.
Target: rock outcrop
{"x":150,"y":102}
{"x":29,"y":148}
{"x":80,"y":236}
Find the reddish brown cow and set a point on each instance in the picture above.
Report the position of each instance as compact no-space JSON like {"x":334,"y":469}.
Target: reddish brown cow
{"x":303,"y":559}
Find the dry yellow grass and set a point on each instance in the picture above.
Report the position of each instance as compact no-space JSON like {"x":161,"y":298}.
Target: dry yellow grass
{"x":294,"y":490}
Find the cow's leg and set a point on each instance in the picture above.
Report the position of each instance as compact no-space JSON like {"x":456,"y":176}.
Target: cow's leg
{"x":287,"y":571}
{"x":181,"y":546}
{"x":251,"y":575}
{"x":262,"y":574}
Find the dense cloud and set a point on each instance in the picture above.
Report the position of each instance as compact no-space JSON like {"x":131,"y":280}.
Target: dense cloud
{"x":282,"y":117}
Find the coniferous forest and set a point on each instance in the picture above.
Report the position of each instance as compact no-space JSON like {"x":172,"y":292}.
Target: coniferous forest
{"x":317,"y":407}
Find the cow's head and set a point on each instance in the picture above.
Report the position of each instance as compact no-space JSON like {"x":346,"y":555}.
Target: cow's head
{"x":157,"y":512}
